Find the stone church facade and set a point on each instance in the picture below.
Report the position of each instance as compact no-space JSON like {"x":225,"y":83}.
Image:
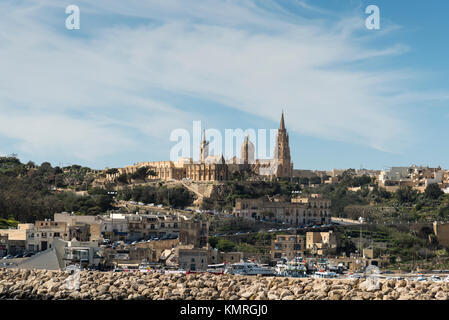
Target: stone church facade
{"x":213,"y":168}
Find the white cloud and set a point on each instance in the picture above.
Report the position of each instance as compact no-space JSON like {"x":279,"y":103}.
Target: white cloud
{"x":83,"y":140}
{"x":235,"y":53}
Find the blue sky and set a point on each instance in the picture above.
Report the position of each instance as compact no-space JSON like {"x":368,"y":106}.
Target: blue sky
{"x":110,"y":94}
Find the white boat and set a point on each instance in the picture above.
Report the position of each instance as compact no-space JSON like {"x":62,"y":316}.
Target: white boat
{"x":72,"y":268}
{"x":324,"y":275}
{"x":421,"y":278}
{"x":217,"y":268}
{"x":144,"y":267}
{"x":295,"y":268}
{"x":250,"y":269}
{"x":436,"y":279}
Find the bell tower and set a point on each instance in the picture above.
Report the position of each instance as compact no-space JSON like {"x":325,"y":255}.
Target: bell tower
{"x":282,"y":152}
{"x":204,"y":148}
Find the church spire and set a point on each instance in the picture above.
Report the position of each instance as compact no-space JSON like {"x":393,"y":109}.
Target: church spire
{"x":282,"y":126}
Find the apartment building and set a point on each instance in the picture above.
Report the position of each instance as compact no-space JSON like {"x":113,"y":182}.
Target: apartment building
{"x":287,"y":246}
{"x":417,"y":177}
{"x":311,"y":209}
{"x":123,"y":227}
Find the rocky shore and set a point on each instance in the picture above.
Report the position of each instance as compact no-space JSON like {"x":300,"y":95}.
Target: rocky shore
{"x":91,"y":285}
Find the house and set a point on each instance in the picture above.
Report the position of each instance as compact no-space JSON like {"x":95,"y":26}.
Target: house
{"x":321,"y":243}
{"x":287,"y":246}
{"x":194,"y":259}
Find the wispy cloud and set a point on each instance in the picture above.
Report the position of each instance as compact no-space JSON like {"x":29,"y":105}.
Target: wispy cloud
{"x":247,"y":57}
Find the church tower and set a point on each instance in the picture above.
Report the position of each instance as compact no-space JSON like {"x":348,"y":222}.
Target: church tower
{"x":204,"y":148}
{"x":247,"y":151}
{"x":282,"y":152}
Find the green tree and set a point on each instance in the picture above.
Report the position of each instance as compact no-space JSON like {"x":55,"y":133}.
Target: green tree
{"x":123,"y":178}
{"x":225,"y":245}
{"x":433,"y":191}
{"x":406,"y":195}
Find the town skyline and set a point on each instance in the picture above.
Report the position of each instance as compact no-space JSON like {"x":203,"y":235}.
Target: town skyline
{"x":376,"y":98}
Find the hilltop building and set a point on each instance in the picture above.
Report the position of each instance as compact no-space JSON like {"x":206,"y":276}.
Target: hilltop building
{"x":215,"y":167}
{"x":416,"y":177}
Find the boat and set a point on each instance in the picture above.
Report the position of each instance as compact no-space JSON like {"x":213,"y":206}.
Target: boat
{"x":72,"y":268}
{"x":144,"y":267}
{"x":295,"y":268}
{"x":217,"y":268}
{"x":250,"y":269}
{"x":421,"y":278}
{"x":436,"y":279}
{"x":324,"y":275}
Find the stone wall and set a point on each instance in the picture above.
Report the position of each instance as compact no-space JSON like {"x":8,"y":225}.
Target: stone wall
{"x":30,"y":284}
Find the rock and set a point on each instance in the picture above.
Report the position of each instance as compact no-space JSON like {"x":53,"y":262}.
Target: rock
{"x":441,"y":295}
{"x":30,"y":284}
{"x":335,"y":295}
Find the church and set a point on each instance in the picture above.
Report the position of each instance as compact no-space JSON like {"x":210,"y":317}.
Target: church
{"x":216,"y":168}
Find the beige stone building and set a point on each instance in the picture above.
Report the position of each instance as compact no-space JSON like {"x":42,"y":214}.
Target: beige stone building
{"x":321,"y":243}
{"x":216,"y":168}
{"x":417,"y":177}
{"x":287,"y":246}
{"x":299,"y":211}
{"x":194,"y":232}
{"x":194,"y":259}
